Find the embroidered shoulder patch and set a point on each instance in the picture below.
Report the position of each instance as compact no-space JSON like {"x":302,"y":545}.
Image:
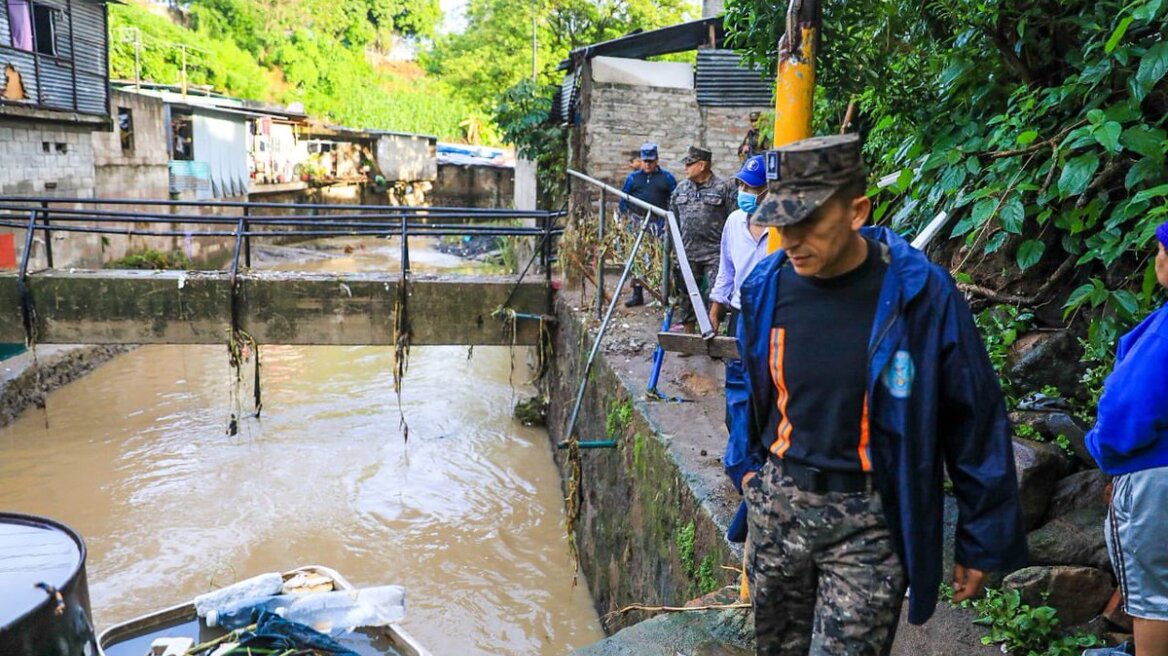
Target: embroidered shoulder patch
{"x":898,"y":377}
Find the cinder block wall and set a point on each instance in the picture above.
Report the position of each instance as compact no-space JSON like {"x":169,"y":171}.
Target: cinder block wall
{"x":140,"y":171}
{"x":29,"y":170}
{"x":617,"y":118}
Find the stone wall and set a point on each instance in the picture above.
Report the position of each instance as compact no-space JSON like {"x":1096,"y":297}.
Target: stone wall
{"x":46,"y":159}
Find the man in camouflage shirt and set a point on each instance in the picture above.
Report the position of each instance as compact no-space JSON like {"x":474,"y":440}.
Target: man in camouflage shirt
{"x":701,"y":204}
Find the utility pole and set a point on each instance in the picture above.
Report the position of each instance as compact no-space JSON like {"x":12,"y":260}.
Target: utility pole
{"x":137,"y":60}
{"x":534,"y":42}
{"x":183,"y":80}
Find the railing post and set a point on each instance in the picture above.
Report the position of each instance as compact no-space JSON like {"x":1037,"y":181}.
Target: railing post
{"x":405,"y":246}
{"x":666,"y":259}
{"x":48,"y":234}
{"x":600,"y":254}
{"x":246,"y":237}
{"x":547,"y":260}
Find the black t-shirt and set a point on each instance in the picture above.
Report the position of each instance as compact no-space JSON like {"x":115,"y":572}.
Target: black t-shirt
{"x":819,"y":365}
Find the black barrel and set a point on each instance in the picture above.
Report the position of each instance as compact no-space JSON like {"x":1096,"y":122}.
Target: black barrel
{"x":44,"y":596}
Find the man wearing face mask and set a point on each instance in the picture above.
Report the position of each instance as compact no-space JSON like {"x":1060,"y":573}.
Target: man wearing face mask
{"x":868,"y":383}
{"x":701,"y":204}
{"x":743,"y":245}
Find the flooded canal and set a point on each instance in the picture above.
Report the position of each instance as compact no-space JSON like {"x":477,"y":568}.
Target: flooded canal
{"x":467,"y":515}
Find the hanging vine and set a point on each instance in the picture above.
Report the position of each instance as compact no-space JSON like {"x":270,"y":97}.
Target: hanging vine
{"x":401,"y":348}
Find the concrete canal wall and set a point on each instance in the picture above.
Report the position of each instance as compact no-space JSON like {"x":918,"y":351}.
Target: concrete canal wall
{"x":653,"y":510}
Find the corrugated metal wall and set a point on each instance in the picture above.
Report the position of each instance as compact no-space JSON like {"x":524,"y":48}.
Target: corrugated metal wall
{"x":75,"y":79}
{"x":722,"y":81}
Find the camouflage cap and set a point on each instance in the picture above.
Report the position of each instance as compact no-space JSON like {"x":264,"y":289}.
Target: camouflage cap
{"x":695,"y":154}
{"x":801,"y":176}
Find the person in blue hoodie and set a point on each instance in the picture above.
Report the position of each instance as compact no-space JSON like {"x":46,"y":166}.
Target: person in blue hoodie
{"x":654,"y":185}
{"x":1130,"y":441}
{"x":868,"y":384}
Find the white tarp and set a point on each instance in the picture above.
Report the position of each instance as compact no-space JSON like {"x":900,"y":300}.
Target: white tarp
{"x":220,"y":140}
{"x":641,"y":73}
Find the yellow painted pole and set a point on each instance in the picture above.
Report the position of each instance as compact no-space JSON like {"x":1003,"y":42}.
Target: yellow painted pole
{"x":794,"y":100}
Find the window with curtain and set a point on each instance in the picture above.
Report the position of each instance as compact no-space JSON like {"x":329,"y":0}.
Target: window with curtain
{"x":20,"y":23}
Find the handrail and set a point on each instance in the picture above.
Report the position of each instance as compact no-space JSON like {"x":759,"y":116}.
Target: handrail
{"x":507,"y":213}
{"x":691,"y":286}
{"x":371,"y":220}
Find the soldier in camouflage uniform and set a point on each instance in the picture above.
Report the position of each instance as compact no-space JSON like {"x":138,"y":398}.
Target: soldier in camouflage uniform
{"x":869,"y":384}
{"x":701,"y":204}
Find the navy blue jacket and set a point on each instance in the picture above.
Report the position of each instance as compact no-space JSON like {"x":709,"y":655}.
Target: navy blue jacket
{"x":935,"y":405}
{"x":653,"y":188}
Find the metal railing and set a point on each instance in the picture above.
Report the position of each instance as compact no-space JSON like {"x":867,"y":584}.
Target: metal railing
{"x":691,"y":286}
{"x":89,"y":216}
{"x":672,"y":243}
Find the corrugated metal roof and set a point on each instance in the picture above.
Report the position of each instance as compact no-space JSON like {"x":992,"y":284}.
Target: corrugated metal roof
{"x":565,"y":100}
{"x":723,"y":81}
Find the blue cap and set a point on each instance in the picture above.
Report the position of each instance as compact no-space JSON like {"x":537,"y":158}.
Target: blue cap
{"x":753,"y":172}
{"x":1162,"y":234}
{"x":649,"y":150}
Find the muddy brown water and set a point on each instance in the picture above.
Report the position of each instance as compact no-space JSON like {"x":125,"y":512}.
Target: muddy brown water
{"x":467,"y":514}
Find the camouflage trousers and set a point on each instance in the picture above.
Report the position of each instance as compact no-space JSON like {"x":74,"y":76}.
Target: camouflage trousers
{"x":824,"y":575}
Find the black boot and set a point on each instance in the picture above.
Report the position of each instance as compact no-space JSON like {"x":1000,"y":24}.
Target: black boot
{"x":637,"y":298}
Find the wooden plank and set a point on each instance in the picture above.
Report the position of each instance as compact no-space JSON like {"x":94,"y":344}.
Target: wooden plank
{"x":717,"y":347}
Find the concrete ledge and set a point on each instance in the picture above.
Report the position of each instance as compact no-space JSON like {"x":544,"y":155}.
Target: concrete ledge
{"x":177,"y":307}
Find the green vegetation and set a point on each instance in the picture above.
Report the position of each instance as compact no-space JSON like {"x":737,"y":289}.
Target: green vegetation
{"x":314,"y":52}
{"x":685,"y":547}
{"x":1000,"y":327}
{"x":707,"y":580}
{"x":1025,"y":630}
{"x":151,"y":259}
{"x":619,"y":418}
{"x":327,"y":54}
{"x":1038,"y":126}
{"x":638,"y":451}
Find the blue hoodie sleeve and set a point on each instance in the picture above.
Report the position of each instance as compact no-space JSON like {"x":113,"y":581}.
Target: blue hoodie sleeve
{"x":624,"y":205}
{"x":744,"y":451}
{"x":979,"y":452}
{"x":1132,"y":422}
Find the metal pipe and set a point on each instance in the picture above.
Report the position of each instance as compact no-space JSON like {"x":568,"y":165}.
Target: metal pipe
{"x":604,"y":328}
{"x":246,"y":238}
{"x":48,"y":235}
{"x":418,"y":232}
{"x":600,"y":250}
{"x":636,"y":202}
{"x":505,"y":213}
{"x":599,"y":444}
